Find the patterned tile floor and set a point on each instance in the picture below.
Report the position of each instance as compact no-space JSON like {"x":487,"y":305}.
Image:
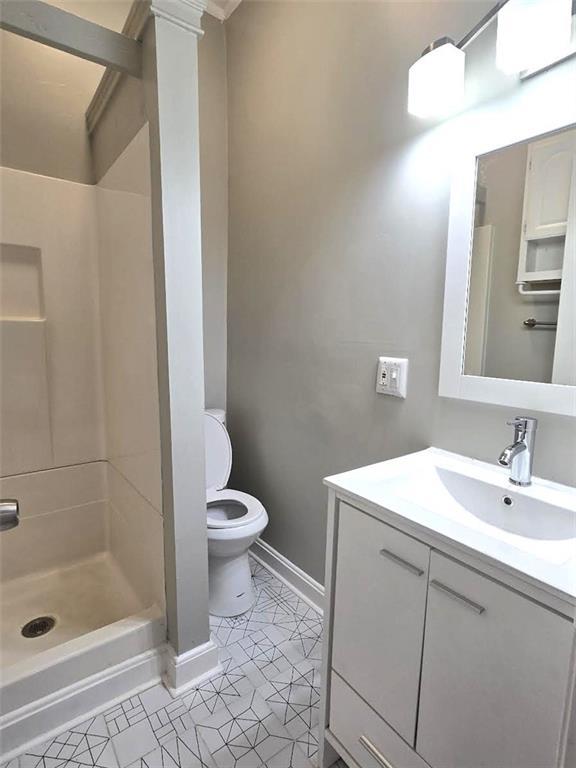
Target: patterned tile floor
{"x":262,"y":710}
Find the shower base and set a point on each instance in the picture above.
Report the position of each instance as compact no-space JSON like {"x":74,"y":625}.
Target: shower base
{"x":81,"y":598}
{"x":104,"y":644}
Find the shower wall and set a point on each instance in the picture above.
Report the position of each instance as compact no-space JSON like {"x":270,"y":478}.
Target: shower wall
{"x":129,"y":368}
{"x":80,"y":444}
{"x":52,"y":436}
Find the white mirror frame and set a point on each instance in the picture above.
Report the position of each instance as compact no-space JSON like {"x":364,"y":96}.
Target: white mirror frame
{"x":518,"y":119}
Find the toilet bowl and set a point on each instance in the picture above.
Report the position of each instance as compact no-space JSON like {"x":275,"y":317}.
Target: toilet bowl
{"x":234,"y":519}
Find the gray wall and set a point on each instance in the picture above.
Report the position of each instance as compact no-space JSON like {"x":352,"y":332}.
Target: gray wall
{"x":338,"y":223}
{"x":214,"y":180}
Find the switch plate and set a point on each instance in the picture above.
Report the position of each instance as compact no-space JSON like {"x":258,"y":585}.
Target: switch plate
{"x":392,"y":376}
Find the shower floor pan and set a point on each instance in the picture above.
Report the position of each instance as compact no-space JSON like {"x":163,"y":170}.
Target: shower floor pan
{"x":81,"y":598}
{"x":100,"y":630}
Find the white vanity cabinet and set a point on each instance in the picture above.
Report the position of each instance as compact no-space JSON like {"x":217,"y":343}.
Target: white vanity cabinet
{"x":378,"y":657}
{"x":486,"y":649}
{"x":436,"y":660}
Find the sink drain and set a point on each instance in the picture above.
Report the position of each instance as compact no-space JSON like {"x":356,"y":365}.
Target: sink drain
{"x":39,"y":626}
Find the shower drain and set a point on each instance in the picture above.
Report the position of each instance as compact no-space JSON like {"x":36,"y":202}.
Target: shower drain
{"x":39,"y":626}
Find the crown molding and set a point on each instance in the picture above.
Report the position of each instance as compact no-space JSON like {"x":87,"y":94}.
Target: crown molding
{"x":186,"y":14}
{"x":222,"y":9}
{"x":136,"y":20}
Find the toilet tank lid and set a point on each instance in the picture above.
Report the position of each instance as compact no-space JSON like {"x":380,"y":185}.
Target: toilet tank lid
{"x":218,"y":453}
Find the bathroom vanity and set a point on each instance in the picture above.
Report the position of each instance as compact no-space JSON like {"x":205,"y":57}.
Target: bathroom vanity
{"x":450,"y":617}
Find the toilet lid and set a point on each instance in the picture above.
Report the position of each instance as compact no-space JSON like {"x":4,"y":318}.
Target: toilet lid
{"x":218,"y":453}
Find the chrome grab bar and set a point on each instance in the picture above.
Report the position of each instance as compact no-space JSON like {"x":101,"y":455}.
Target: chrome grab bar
{"x":476,"y":607}
{"x":9,"y":514}
{"x":374,"y":751}
{"x":401,"y":562}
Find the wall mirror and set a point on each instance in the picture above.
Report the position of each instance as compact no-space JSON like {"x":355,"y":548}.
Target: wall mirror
{"x":518,"y":323}
{"x":509,"y":334}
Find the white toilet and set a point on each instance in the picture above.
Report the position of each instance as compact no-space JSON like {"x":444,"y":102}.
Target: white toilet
{"x":235,"y":520}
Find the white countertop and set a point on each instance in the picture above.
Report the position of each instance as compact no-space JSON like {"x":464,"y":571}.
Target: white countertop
{"x":460,"y":500}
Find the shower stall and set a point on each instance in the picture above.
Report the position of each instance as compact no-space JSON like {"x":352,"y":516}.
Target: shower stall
{"x":103,"y":546}
{"x":81,"y":546}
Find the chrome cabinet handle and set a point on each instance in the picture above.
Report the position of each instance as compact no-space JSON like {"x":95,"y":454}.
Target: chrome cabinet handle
{"x":9,"y":514}
{"x":476,"y":607}
{"x":401,"y":562}
{"x":376,"y":754}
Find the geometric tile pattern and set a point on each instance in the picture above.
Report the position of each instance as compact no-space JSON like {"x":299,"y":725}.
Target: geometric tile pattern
{"x":294,"y":697}
{"x":124,"y":715}
{"x":261,"y":710}
{"x":85,"y":745}
{"x":218,"y":691}
{"x":245,"y":733}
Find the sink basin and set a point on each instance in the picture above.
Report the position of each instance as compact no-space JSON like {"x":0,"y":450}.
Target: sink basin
{"x":473,"y":504}
{"x":459,"y":496}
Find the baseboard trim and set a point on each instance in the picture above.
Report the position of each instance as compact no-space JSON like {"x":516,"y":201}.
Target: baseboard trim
{"x":294,"y":577}
{"x":188,"y":669}
{"x":59,"y":711}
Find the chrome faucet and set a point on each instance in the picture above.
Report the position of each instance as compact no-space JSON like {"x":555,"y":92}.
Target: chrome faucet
{"x":520,"y":454}
{"x":9,"y":514}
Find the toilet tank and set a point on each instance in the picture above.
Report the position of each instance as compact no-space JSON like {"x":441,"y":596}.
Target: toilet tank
{"x":218,"y":413}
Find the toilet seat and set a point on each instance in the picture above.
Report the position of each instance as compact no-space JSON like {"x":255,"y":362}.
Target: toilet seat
{"x":232,"y":517}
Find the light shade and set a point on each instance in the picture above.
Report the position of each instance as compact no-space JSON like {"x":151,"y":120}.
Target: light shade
{"x":436,"y":82}
{"x":532,"y":33}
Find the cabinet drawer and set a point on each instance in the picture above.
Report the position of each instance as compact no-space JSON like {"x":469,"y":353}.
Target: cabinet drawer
{"x":380,"y":602}
{"x":494,"y":674}
{"x":370,"y":741}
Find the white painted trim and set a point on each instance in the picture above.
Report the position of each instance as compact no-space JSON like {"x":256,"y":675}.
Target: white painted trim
{"x":188,"y":669}
{"x":59,"y":711}
{"x":133,"y":28}
{"x":294,"y":577}
{"x":102,"y":96}
{"x":534,"y":110}
{"x":216,"y":10}
{"x":185,"y":14}
{"x":171,"y":101}
{"x":222,"y":9}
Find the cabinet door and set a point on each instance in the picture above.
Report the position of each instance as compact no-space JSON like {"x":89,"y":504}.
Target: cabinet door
{"x":380,"y":601}
{"x":548,"y":180}
{"x":494,"y":674}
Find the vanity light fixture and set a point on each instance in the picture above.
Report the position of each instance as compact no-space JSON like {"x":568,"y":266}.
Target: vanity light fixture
{"x":532,"y":33}
{"x":436,"y":80}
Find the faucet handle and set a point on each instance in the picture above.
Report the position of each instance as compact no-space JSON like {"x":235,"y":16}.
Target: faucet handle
{"x":523,"y":423}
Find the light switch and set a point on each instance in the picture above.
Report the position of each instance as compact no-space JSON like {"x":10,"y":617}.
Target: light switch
{"x":392,"y":376}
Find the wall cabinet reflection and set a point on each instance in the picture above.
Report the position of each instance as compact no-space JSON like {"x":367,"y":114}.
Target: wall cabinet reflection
{"x":521,"y":318}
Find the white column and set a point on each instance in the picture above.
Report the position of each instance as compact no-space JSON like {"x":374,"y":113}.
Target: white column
{"x":171,"y":85}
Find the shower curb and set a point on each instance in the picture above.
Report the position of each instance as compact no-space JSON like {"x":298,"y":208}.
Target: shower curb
{"x":38,"y":721}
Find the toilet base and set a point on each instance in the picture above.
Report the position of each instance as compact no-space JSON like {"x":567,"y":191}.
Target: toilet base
{"x":231,"y":592}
